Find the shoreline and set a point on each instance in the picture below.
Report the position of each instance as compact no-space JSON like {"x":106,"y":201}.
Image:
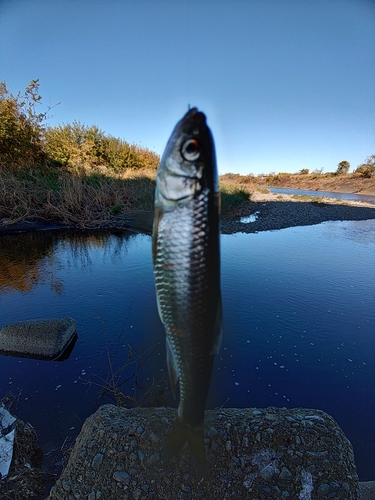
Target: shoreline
{"x":272,"y":214}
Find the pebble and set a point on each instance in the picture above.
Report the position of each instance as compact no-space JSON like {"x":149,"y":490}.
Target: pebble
{"x":153,"y":459}
{"x":323,"y":489}
{"x":285,"y":473}
{"x":122,"y":477}
{"x":267,"y":472}
{"x":317,"y":454}
{"x":212,"y":432}
{"x":137,"y":493}
{"x":154,"y":438}
{"x":97,"y":461}
{"x":66,"y":485}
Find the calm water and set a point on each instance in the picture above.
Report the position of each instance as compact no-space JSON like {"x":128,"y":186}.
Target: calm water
{"x":329,"y":194}
{"x":298,"y":324}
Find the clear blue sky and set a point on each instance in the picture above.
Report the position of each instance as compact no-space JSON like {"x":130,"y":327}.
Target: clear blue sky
{"x":285,"y":84}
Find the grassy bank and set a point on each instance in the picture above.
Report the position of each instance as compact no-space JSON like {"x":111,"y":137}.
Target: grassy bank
{"x":89,"y":199}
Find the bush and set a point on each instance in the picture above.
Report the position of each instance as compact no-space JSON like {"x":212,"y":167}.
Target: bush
{"x":80,"y":148}
{"x":21,"y":127}
{"x":367,"y":169}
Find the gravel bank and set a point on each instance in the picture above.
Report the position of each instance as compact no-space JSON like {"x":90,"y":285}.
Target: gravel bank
{"x":274,"y":215}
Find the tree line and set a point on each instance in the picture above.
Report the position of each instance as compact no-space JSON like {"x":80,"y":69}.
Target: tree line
{"x":366,"y":169}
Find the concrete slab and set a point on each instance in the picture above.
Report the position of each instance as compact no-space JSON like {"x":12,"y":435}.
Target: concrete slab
{"x":38,"y":339}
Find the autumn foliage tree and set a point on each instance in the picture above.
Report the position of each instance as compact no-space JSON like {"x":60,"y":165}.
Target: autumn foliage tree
{"x":21,"y":127}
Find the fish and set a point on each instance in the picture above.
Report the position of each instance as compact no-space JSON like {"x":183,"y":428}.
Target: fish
{"x":186,"y":263}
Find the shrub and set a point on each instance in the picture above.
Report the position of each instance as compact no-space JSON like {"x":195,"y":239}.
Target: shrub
{"x":366,"y":169}
{"x":21,"y":127}
{"x":343,"y":167}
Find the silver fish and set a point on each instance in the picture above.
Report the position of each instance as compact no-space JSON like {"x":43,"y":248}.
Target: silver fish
{"x":186,"y":258}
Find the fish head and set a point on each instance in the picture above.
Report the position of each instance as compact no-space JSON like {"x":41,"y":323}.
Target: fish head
{"x":188,"y":164}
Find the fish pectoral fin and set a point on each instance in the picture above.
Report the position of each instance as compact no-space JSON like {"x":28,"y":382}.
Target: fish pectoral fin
{"x":218,"y":334}
{"x":172,"y":368}
{"x":182,"y":433}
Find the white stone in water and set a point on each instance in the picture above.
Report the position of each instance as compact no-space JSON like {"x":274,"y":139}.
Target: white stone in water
{"x":249,"y":218}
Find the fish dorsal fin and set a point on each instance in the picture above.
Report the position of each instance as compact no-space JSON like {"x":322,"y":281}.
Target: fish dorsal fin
{"x":172,"y":368}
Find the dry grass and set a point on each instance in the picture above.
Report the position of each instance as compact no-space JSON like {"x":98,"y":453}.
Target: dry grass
{"x":89,"y":200}
{"x":93,"y":197}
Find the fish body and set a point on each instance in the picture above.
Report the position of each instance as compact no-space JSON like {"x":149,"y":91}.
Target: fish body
{"x":186,"y":259}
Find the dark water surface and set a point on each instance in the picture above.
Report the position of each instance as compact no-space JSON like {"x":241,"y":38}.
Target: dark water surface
{"x":329,"y":194}
{"x":299,"y":310}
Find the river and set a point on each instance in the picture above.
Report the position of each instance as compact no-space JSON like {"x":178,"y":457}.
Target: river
{"x":298,"y":325}
{"x":329,"y":194}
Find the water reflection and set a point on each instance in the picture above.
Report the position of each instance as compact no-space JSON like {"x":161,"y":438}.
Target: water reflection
{"x":27,"y":259}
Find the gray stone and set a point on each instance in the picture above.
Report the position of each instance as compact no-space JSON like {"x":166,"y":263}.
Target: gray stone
{"x":121,"y":477}
{"x":97,"y":461}
{"x":66,"y":485}
{"x":323,"y":489}
{"x":285,"y":473}
{"x":38,"y":339}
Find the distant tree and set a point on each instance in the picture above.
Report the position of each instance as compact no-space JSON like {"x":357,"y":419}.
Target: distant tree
{"x":304,"y":171}
{"x":343,"y":167}
{"x":366,"y":169}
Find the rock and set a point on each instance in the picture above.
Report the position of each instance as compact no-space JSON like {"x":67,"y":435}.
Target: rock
{"x":25,"y":478}
{"x":38,"y":339}
{"x":274,"y":467}
{"x":367,"y":490}
{"x":121,"y":477}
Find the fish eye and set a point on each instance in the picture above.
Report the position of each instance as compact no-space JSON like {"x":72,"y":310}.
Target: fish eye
{"x":190,"y":150}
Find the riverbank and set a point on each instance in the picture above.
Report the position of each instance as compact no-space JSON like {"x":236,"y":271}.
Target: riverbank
{"x":348,"y":183}
{"x":272,"y":213}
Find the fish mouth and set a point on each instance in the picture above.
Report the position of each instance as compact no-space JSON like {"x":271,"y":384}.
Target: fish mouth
{"x":194,"y":116}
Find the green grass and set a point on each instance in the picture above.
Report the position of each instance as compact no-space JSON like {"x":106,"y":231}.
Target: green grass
{"x":233,"y":198}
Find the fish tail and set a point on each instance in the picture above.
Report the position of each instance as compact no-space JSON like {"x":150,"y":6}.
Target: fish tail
{"x":194,"y":436}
